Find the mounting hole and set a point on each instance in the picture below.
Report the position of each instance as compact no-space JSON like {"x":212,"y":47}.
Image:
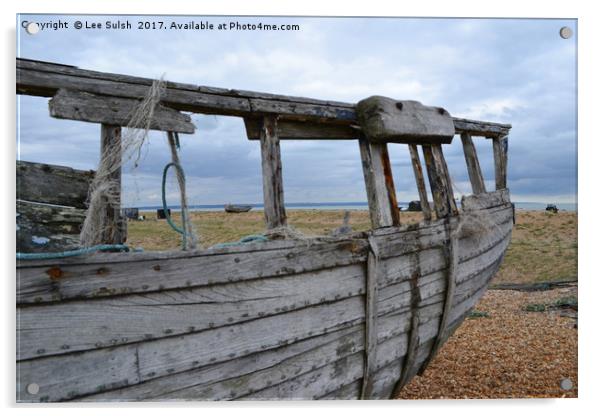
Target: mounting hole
{"x":32,"y":28}
{"x":566,"y":32}
{"x":566,"y":384}
{"x":33,"y":388}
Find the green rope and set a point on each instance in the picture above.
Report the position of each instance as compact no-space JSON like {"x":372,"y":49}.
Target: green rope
{"x":247,"y":239}
{"x":72,"y":253}
{"x":166,"y":211}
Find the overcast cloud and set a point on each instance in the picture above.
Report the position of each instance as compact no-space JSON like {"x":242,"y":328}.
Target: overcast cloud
{"x":514,"y":71}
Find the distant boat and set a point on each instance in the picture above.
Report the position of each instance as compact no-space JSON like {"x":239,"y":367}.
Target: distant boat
{"x":237,"y":208}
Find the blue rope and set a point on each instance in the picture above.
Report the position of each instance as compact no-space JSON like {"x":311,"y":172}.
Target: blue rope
{"x":166,"y":211}
{"x":72,"y":253}
{"x":247,"y":239}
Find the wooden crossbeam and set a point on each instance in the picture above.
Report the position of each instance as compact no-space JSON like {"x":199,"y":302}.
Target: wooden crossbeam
{"x":45,"y":79}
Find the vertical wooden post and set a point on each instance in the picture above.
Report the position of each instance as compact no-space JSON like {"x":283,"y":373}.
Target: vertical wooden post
{"x":271,"y":165}
{"x":500,"y":157}
{"x":439,"y":180}
{"x":472,"y":162}
{"x":115,"y":231}
{"x":424,"y":201}
{"x":380,"y":188}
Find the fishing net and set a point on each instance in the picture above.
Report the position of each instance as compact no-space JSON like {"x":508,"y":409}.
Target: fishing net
{"x":104,"y":195}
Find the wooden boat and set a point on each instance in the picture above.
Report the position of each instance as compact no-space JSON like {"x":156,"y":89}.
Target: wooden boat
{"x":347,"y":317}
{"x":237,"y":208}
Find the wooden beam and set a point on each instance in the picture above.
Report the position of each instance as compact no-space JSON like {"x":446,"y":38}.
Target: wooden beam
{"x":52,"y":184}
{"x":420,"y":184}
{"x":500,"y":156}
{"x":84,"y":106}
{"x":472,"y":162}
{"x":45,"y":79}
{"x":302,"y":130}
{"x":442,"y":165}
{"x":371,"y":322}
{"x":380,"y":188}
{"x":114,"y":230}
{"x":271,"y":165}
{"x":438,"y":179}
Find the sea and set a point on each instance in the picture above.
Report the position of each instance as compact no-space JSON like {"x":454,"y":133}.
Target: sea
{"x":536,"y":206}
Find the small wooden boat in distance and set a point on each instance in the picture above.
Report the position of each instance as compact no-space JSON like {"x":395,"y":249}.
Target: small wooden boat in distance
{"x":234,"y":208}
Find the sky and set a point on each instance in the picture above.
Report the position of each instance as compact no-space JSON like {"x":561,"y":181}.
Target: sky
{"x":517,"y":71}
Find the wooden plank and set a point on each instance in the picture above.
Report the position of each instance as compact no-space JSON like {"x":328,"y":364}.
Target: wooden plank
{"x":84,"y":106}
{"x":472,"y":162}
{"x":52,"y":184}
{"x":453,"y":259}
{"x":385,"y":120}
{"x":487,"y":200}
{"x":114,"y":274}
{"x":380,"y":188}
{"x":271,"y":166}
{"x":441,"y":165}
{"x":114,"y":231}
{"x":481,"y":128}
{"x":413,"y":341}
{"x":44,"y":79}
{"x":47,"y":228}
{"x":302,"y":130}
{"x":500,"y":157}
{"x":438,"y":181}
{"x":371,"y":322}
{"x":278,"y":366}
{"x":90,"y":324}
{"x":419,"y":176}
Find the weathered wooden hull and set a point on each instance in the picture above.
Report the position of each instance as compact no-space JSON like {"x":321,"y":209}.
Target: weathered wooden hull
{"x":339,"y":318}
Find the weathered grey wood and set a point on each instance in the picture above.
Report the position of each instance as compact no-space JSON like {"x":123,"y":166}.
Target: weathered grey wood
{"x":413,"y":341}
{"x":441,"y":165}
{"x":302,"y":130}
{"x":114,"y":231}
{"x":52,"y":184}
{"x":424,"y":201}
{"x":500,"y":156}
{"x":85,"y":106}
{"x":481,"y":128}
{"x":44,"y":79}
{"x":223,"y":380}
{"x":109,"y":275}
{"x":385,"y":120}
{"x":380,"y":188}
{"x":74,"y":375}
{"x":83,"y":325}
{"x":387,"y":326}
{"x":47,"y":228}
{"x":472,"y":162}
{"x":371,"y":322}
{"x":453,"y":259}
{"x":271,"y":166}
{"x":438,"y":181}
{"x":488,"y":200}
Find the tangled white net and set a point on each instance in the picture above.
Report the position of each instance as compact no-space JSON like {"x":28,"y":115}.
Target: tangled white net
{"x":104,"y":195}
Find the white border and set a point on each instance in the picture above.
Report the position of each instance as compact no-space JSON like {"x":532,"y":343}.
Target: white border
{"x":589,"y":187}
